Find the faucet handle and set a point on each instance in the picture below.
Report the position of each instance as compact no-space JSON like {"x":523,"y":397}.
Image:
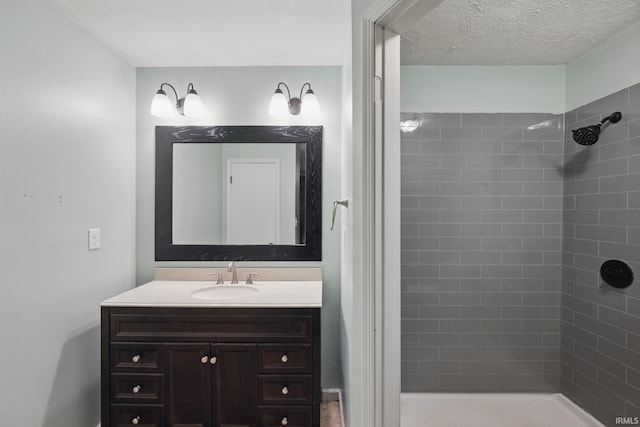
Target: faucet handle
{"x":250,"y":278}
{"x":219,"y":281}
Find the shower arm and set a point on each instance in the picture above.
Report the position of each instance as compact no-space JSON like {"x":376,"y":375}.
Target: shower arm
{"x":613,"y":118}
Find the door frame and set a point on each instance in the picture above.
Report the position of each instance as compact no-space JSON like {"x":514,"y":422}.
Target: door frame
{"x":381,"y":26}
{"x":242,"y":160}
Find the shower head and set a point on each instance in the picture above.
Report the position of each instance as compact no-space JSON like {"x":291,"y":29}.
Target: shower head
{"x":589,"y":135}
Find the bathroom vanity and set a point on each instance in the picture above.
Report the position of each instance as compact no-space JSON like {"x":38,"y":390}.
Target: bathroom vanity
{"x":193,"y":353}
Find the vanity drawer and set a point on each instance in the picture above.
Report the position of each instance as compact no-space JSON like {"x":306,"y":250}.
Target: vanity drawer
{"x":284,"y":390}
{"x":282,"y":359}
{"x":137,"y":416}
{"x":137,"y":388}
{"x":136,"y":357}
{"x":290,"y":416}
{"x":219,"y":325}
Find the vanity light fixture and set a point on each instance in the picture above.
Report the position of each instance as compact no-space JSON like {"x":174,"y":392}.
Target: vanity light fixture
{"x":190,"y":105}
{"x":306,"y":103}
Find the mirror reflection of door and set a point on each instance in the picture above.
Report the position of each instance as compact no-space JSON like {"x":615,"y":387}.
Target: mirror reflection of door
{"x":253,"y":201}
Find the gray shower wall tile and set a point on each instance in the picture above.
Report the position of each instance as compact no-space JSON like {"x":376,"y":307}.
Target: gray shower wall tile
{"x":461,"y":133}
{"x":616,"y":133}
{"x":523,"y":175}
{"x":440,"y":230}
{"x":460,"y":160}
{"x":633,"y":165}
{"x":478,"y":246}
{"x":419,"y":216}
{"x":634,"y":199}
{"x":598,"y":201}
{"x":416,"y":161}
{"x":502,"y":134}
{"x":523,"y":202}
{"x":481,"y":119}
{"x":620,"y":217}
{"x":480,"y":202}
{"x":480,"y":257}
{"x":614,"y":184}
{"x":613,"y":167}
{"x":502,"y":216}
{"x":601,"y":233}
{"x":491,"y":160}
{"x":438,"y":119}
{"x":501,"y":243}
{"x":440,"y":202}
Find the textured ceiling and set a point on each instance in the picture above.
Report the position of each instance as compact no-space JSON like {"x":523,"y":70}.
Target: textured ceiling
{"x":159,"y":33}
{"x":514,"y":32}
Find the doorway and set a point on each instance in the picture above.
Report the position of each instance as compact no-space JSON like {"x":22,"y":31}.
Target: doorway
{"x":253,"y":201}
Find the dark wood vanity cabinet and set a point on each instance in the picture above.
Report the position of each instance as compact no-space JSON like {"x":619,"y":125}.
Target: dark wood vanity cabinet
{"x":210,"y":367}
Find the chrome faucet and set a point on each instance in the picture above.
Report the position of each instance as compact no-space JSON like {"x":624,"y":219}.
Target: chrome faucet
{"x":234,"y":274}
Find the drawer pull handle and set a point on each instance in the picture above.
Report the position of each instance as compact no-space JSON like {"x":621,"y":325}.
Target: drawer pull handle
{"x":204,"y":359}
{"x":135,"y":421}
{"x":284,"y":421}
{"x":136,"y":358}
{"x":285,"y":390}
{"x":284,"y":358}
{"x":214,"y":360}
{"x":136,"y":389}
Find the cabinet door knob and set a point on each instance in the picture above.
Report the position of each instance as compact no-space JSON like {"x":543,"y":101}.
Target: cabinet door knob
{"x":284,"y":358}
{"x":136,"y":358}
{"x":204,"y":359}
{"x":136,"y":389}
{"x":214,"y":360}
{"x":135,"y":421}
{"x":285,"y":390}
{"x":284,"y":421}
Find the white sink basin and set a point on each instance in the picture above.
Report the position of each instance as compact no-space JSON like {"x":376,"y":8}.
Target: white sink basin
{"x":222,"y":292}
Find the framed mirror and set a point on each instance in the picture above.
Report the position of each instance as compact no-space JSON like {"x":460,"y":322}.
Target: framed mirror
{"x":241,"y":193}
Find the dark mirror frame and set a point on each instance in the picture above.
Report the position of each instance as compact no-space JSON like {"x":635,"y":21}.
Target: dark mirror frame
{"x":167,"y":136}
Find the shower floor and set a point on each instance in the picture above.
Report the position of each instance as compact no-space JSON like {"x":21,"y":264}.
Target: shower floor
{"x":491,"y":410}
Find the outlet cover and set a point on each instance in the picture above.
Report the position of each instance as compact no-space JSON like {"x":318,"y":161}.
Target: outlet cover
{"x":94,"y":239}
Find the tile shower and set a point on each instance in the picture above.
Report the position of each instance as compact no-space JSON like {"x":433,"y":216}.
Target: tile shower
{"x":505,"y":222}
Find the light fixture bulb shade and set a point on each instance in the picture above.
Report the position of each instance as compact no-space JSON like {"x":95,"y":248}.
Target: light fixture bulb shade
{"x":279,"y":105}
{"x":310,"y":105}
{"x":193,"y":106}
{"x":161,"y":105}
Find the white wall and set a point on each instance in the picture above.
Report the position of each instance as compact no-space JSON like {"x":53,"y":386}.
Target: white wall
{"x":240,"y":96}
{"x":605,"y":69}
{"x":483,"y":89}
{"x":66,"y":164}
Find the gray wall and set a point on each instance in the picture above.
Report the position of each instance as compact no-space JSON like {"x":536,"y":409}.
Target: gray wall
{"x":67,"y":163}
{"x":481,"y":225}
{"x":240,"y":96}
{"x":600,"y":324}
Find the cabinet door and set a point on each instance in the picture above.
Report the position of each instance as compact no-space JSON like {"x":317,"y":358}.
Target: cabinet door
{"x":188,"y":385}
{"x":235,"y":385}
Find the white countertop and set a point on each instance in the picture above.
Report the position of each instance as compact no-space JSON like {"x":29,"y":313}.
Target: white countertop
{"x":176,"y":293}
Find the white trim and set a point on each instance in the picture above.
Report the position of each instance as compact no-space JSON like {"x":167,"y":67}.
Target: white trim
{"x":380,"y":247}
{"x":368,"y":232}
{"x":390,"y":223}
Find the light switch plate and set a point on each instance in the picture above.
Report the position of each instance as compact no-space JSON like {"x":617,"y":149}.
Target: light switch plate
{"x":94,"y":239}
